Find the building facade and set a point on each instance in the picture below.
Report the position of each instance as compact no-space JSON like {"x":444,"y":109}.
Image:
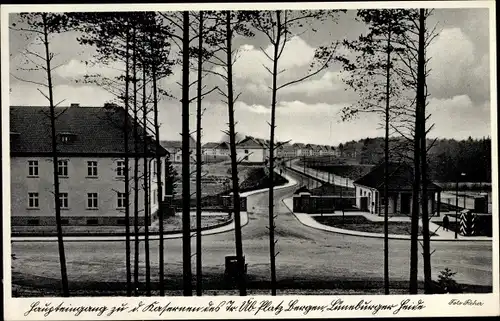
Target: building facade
{"x":249,"y":150}
{"x":91,"y":167}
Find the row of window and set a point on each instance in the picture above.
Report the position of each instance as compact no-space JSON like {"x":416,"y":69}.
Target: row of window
{"x":92,"y":200}
{"x":62,"y":168}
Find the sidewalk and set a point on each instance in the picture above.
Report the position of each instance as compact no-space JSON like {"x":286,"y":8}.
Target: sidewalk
{"x":308,"y":220}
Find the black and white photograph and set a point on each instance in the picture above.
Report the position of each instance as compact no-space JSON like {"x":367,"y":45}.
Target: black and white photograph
{"x":268,"y":160}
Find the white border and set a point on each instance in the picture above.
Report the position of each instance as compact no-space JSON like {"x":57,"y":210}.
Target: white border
{"x":435,"y":304}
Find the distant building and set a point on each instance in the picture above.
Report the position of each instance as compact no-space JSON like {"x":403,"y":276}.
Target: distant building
{"x":174,"y":147}
{"x":214,"y":150}
{"x":251,"y":150}
{"x":299,"y":149}
{"x":370,"y":190}
{"x":90,"y":144}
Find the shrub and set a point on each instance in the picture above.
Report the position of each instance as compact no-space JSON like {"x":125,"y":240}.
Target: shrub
{"x":447,"y":283}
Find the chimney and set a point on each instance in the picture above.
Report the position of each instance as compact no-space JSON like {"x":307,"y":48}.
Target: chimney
{"x":75,"y":105}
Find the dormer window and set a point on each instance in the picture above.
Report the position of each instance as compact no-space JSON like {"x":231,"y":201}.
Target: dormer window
{"x":14,"y":137}
{"x":66,"y":138}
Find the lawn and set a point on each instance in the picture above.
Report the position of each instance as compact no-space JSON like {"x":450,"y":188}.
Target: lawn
{"x":361,"y":224}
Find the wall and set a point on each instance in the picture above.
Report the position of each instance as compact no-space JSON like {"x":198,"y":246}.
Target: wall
{"x":77,"y":185}
{"x":254,"y":155}
{"x":362,"y":191}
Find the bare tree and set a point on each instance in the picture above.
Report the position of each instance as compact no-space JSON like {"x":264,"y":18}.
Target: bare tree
{"x":44,"y":26}
{"x":278,"y":26}
{"x":371,"y":75}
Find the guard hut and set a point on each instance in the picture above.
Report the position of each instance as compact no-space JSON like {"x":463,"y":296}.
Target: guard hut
{"x":370,"y":191}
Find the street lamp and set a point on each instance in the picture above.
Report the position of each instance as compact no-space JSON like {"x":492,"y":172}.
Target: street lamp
{"x":456,"y":206}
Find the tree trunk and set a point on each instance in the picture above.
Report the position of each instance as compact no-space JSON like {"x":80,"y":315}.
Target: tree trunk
{"x":234,"y":162}
{"x":272,"y":243}
{"x":386,"y":166}
{"x":136,"y":169}
{"x":159,"y":194}
{"x":421,"y":101}
{"x":415,"y":202}
{"x":146,"y":176}
{"x":126,"y":169}
{"x":186,"y":206}
{"x":55,"y":162}
{"x":199,"y":285}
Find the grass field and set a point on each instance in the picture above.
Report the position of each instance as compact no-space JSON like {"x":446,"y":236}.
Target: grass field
{"x":361,"y":224}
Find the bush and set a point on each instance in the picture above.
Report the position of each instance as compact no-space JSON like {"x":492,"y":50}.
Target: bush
{"x":447,"y":283}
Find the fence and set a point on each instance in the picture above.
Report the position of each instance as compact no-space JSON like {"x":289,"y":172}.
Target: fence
{"x":210,"y":202}
{"x":312,"y":204}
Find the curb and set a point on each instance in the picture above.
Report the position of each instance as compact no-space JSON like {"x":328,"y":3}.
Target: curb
{"x":118,"y":234}
{"x":327,"y":228}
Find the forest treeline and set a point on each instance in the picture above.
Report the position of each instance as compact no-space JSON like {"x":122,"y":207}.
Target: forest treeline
{"x":446,"y":158}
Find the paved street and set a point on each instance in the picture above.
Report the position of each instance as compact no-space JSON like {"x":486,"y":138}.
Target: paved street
{"x":306,"y":254}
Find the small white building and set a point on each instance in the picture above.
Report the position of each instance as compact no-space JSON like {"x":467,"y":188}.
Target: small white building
{"x":370,"y":191}
{"x":174,"y":147}
{"x":249,"y":150}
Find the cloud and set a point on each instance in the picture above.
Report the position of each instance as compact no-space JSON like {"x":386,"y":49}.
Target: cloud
{"x":456,"y":68}
{"x":293,"y":107}
{"x":329,"y":81}
{"x":76,"y":69}
{"x":459,"y":117}
{"x":25,"y":94}
{"x":251,"y":60}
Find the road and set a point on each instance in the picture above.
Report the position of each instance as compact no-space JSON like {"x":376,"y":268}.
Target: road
{"x":305,"y":254}
{"x":324,"y":176}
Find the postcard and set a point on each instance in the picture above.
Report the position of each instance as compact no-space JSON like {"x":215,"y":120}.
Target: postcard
{"x":249,"y":160}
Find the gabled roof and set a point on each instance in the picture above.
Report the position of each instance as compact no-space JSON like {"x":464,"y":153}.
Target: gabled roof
{"x":177,"y":144}
{"x":94,"y":130}
{"x":249,"y":143}
{"x":215,"y":145}
{"x":298,"y":145}
{"x":400,"y":178}
{"x":211,"y":145}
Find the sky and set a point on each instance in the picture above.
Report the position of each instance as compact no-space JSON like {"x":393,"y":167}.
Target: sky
{"x":309,"y":111}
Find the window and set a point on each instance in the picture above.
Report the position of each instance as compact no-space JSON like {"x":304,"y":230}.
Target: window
{"x":153,"y":194}
{"x":120,"y":200}
{"x":246,"y":151}
{"x":33,"y":168}
{"x":120,"y":168}
{"x":92,"y":168}
{"x":63,"y":200}
{"x":62,"y":167}
{"x":120,"y":221}
{"x":92,"y":201}
{"x":33,"y":200}
{"x":64,"y":221}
